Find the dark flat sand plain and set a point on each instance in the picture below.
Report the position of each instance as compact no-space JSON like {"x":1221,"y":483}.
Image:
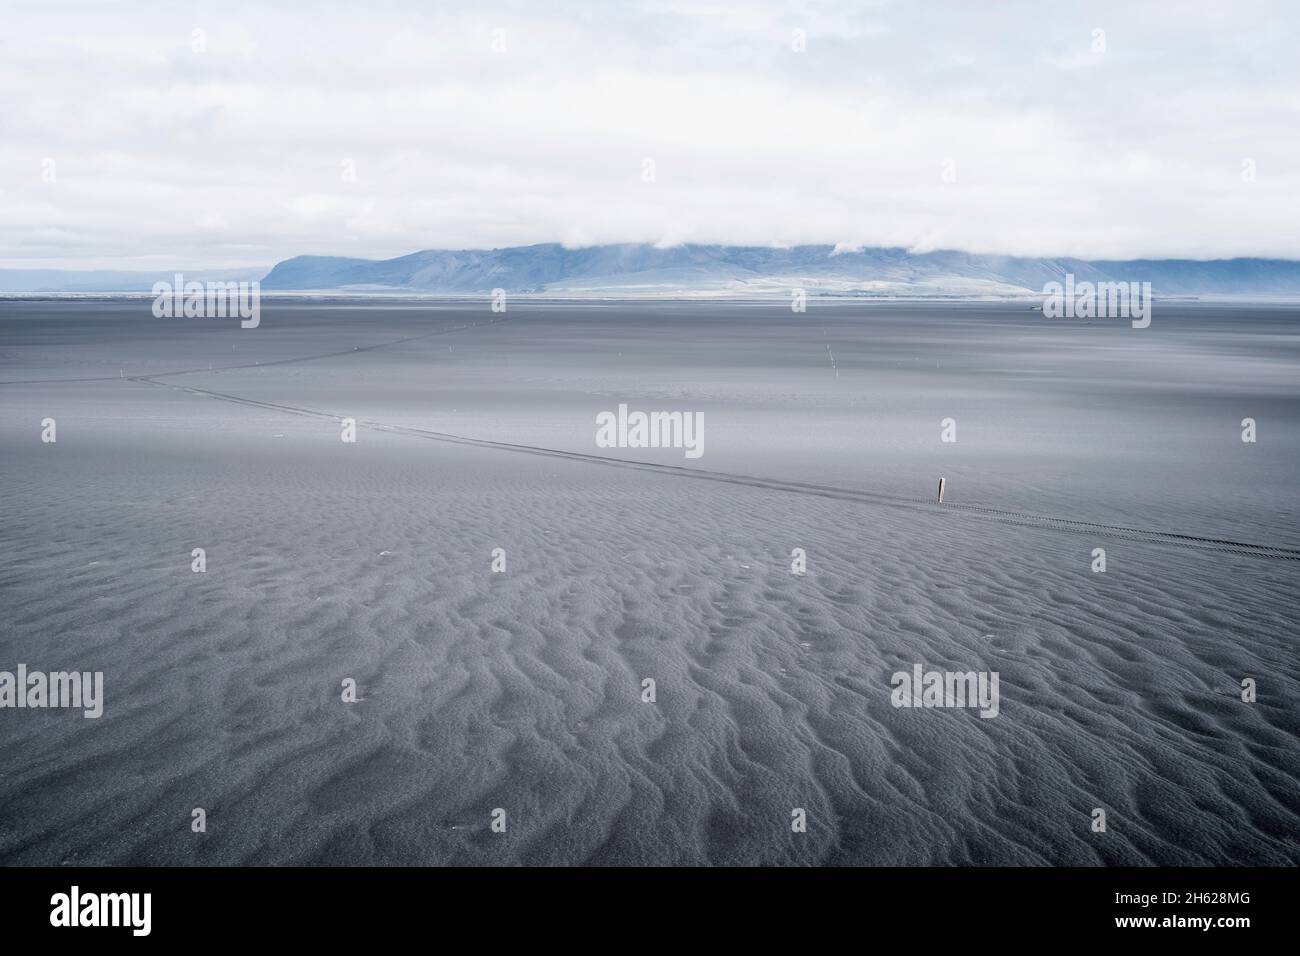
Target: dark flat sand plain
{"x":522,"y":690}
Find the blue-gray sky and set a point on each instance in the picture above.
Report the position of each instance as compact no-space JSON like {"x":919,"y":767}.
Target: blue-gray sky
{"x":129,"y":140}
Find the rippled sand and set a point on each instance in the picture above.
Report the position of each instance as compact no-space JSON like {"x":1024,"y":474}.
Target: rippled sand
{"x":522,"y":690}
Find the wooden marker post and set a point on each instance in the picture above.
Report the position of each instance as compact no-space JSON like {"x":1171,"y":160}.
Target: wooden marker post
{"x":940,"y":491}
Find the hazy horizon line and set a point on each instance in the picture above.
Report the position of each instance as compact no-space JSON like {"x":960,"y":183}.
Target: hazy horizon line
{"x":838,"y":248}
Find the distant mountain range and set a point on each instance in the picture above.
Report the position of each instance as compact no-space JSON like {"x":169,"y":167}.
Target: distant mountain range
{"x":638,"y":269}
{"x":709,"y":270}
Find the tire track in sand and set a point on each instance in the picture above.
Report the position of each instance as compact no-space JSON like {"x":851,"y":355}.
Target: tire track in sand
{"x":1023,"y":519}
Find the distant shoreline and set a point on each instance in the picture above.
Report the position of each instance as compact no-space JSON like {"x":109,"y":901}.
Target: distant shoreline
{"x":321,"y":295}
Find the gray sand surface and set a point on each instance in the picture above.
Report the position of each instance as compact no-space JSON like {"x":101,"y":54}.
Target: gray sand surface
{"x":522,"y":690}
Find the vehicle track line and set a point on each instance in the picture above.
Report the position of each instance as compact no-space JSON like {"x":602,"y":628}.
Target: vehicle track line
{"x":1023,"y":519}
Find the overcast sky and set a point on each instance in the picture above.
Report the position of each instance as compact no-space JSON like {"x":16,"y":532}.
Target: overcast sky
{"x":989,"y":127}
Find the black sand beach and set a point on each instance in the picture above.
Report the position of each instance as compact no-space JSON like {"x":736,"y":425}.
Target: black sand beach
{"x":522,"y":690}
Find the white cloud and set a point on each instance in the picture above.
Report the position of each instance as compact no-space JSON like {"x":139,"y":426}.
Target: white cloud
{"x":233,"y":156}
